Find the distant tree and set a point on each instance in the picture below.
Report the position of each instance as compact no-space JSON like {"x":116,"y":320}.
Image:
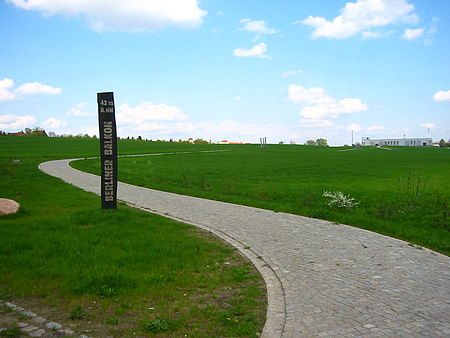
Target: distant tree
{"x":139,"y":138}
{"x":200,"y":141}
{"x":86,"y":136}
{"x":311,"y":143}
{"x":292,"y":142}
{"x":321,"y":142}
{"x":37,"y":131}
{"x":442,"y":143}
{"x":27,"y":131}
{"x":281,"y":142}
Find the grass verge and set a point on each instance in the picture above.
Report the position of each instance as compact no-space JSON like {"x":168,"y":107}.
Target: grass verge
{"x":115,"y":273}
{"x":403,"y":193}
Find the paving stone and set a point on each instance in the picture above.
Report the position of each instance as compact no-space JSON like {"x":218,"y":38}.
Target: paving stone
{"x":355,"y":277}
{"x":29,"y":328}
{"x":39,"y":320}
{"x":37,"y":333}
{"x":53,"y":326}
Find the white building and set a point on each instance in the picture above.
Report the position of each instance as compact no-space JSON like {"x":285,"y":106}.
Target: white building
{"x":406,"y":142}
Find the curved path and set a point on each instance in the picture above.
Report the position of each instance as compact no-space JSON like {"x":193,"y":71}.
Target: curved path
{"x":323,"y":279}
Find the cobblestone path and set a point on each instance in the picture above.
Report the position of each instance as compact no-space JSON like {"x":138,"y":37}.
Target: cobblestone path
{"x":323,"y":279}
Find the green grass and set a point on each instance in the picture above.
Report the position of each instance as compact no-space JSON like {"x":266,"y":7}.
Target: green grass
{"x":111,"y":271}
{"x":404,"y":193}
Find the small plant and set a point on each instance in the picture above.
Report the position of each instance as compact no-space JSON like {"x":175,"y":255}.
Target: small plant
{"x":340,"y":200}
{"x":77,"y":313}
{"x":12,"y":332}
{"x":112,"y":321}
{"x":160,"y":325}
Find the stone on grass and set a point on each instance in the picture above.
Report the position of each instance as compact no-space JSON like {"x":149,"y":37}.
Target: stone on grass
{"x":54,"y":326}
{"x":39,"y":320}
{"x":29,"y":328}
{"x":37,"y":333}
{"x":8,"y":206}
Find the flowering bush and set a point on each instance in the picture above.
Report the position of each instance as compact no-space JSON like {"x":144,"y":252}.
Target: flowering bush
{"x":340,"y":200}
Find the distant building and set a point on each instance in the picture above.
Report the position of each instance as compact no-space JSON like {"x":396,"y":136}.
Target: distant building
{"x":20,"y":133}
{"x":405,"y":142}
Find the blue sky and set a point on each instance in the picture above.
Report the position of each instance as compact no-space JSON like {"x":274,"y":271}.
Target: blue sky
{"x":232,"y":70}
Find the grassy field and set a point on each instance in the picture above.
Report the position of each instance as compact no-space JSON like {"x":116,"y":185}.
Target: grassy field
{"x":114,"y":273}
{"x":404,"y":192}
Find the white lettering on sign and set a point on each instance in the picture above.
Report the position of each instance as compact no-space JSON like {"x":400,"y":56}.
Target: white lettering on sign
{"x":107,"y":138}
{"x":109,"y":180}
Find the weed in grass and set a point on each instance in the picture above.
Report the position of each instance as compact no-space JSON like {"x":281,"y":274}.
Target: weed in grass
{"x":22,"y":316}
{"x":105,"y":285}
{"x":161,"y":325}
{"x":5,"y":309}
{"x":12,"y":332}
{"x":112,"y":321}
{"x":338,"y":199}
{"x":77,"y":313}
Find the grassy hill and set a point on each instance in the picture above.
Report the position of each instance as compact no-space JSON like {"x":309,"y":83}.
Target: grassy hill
{"x":118,"y":272}
{"x":403,"y":192}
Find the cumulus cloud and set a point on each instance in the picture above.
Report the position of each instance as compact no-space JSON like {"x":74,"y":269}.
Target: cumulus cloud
{"x":5,"y":90}
{"x":36,"y":88}
{"x":428,"y":125}
{"x":323,"y":105}
{"x":54,"y":123}
{"x":131,"y":15}
{"x":9,"y":121}
{"x":412,"y":34}
{"x":257,"y":51}
{"x":259,"y":27}
{"x":30,"y":88}
{"x":362,"y":16}
{"x":80,"y":110}
{"x":148,"y":111}
{"x":442,"y":96}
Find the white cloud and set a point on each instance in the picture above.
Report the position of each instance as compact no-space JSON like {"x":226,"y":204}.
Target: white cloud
{"x":442,"y":96}
{"x":360,"y":16}
{"x":148,"y":111}
{"x":257,"y":51}
{"x":290,"y":73}
{"x":354,"y":127}
{"x":412,"y":34}
{"x":54,"y":123}
{"x":323,"y":105}
{"x":8,"y":122}
{"x":316,"y":123}
{"x":299,"y":94}
{"x":5,"y":90}
{"x":36,"y":88}
{"x":428,"y":125}
{"x":259,"y":27}
{"x":375,"y":128}
{"x":30,"y":88}
{"x":79,"y":110}
{"x":371,"y":35}
{"x":131,"y":15}
{"x":237,"y":99}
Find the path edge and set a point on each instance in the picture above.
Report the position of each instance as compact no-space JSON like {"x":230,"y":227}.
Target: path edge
{"x":276,"y":306}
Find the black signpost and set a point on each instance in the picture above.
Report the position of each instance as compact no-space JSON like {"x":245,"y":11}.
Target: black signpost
{"x":108,"y":149}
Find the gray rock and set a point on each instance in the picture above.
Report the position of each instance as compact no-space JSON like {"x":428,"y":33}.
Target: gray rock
{"x":39,"y":320}
{"x":29,"y":328}
{"x":53,"y":326}
{"x":37,"y":333}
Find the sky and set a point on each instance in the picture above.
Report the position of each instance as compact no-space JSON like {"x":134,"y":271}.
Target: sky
{"x":235,"y":70}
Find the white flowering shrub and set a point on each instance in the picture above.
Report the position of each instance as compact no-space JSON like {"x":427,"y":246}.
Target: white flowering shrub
{"x":338,"y":199}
